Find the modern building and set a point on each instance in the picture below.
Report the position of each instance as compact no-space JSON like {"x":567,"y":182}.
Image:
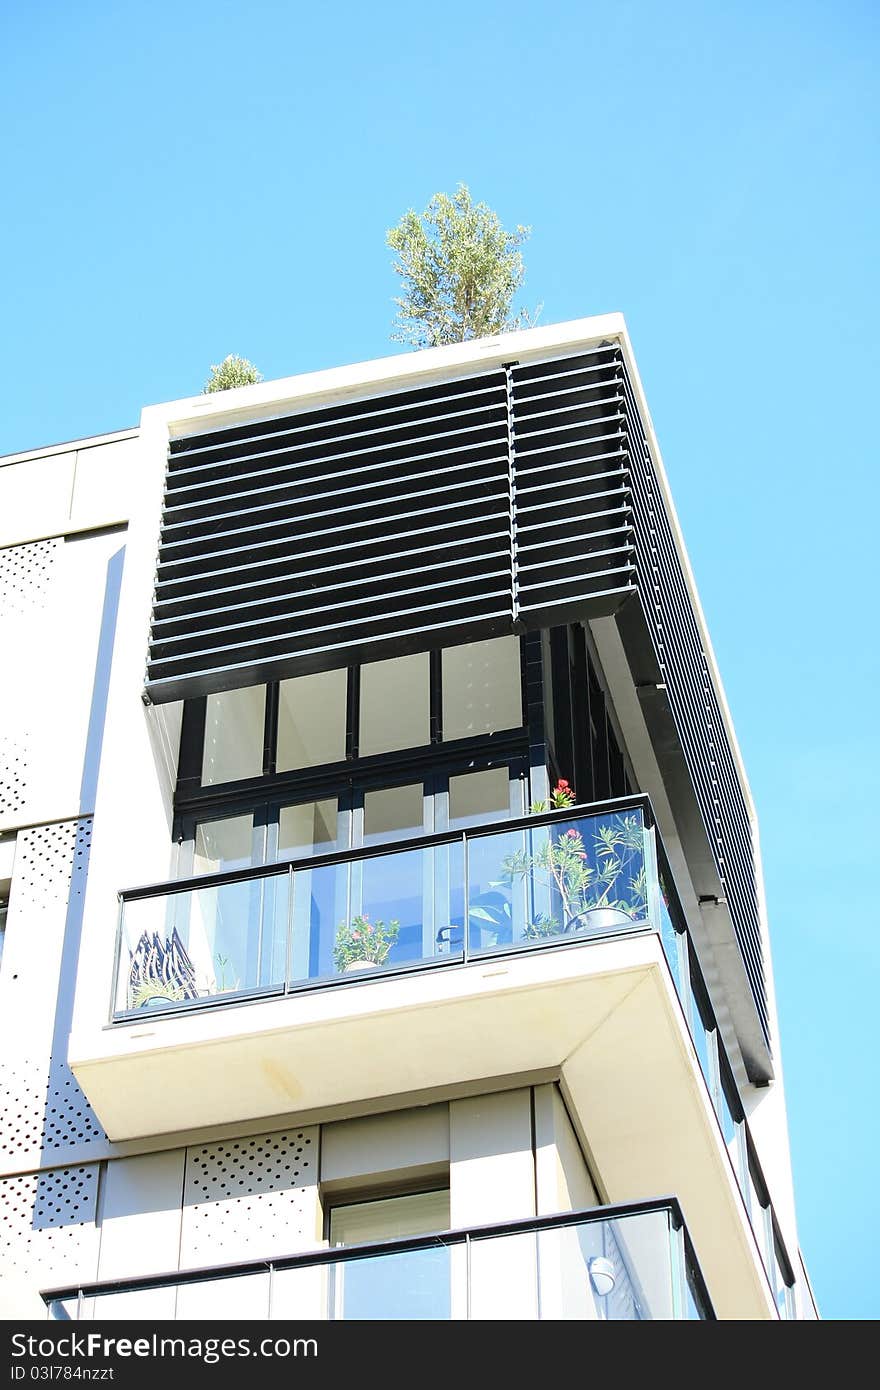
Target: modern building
{"x":377,"y":862}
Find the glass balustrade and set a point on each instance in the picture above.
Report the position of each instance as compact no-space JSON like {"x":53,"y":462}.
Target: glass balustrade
{"x":540,"y":882}
{"x":610,"y":1265}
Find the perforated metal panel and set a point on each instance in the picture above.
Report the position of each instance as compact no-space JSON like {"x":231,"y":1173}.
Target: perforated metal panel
{"x":47,"y":1225}
{"x":14,"y":782}
{"x":43,"y":1111}
{"x":26,"y":575}
{"x":251,"y":1196}
{"x":683,"y":667}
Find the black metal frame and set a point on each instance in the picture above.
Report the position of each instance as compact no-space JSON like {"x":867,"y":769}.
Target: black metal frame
{"x":441,"y":837}
{"x":302,"y":783}
{"x":440,"y":1239}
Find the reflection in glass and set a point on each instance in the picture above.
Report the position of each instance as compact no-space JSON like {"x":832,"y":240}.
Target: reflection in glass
{"x":482,"y":688}
{"x":311,"y":720}
{"x":203,"y":942}
{"x":395,"y":704}
{"x":580,"y":877}
{"x":406,"y":1285}
{"x":672,"y":943}
{"x":702,"y":1034}
{"x":234,"y":728}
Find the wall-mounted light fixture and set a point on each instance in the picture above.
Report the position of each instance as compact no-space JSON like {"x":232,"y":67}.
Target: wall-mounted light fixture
{"x":601,"y":1275}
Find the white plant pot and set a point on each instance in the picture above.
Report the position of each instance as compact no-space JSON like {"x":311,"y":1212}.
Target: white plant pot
{"x":356,"y":965}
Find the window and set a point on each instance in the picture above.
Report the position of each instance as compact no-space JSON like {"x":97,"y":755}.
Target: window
{"x":482,"y":688}
{"x":476,"y":797}
{"x":394,"y":813}
{"x":410,"y":1284}
{"x":311,"y":720}
{"x":305,"y":829}
{"x":386,"y":1218}
{"x":234,"y":723}
{"x":784,"y":1280}
{"x":759,"y":1209}
{"x":395,"y":705}
{"x":223,"y":844}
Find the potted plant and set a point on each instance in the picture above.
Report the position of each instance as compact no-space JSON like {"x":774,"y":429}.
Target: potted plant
{"x":362,"y":944}
{"x":595,"y":888}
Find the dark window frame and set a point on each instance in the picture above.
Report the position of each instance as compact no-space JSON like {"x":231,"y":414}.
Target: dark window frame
{"x":348,"y":779}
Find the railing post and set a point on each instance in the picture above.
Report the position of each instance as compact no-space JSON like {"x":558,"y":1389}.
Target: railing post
{"x":117,"y":960}
{"x":288,"y":942}
{"x":466,"y":926}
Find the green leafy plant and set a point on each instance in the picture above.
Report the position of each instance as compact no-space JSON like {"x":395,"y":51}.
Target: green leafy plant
{"x":146,"y":992}
{"x":222,"y":986}
{"x":460,"y":271}
{"x":578,"y":878}
{"x":610,"y":874}
{"x":232,"y":371}
{"x":363,"y":940}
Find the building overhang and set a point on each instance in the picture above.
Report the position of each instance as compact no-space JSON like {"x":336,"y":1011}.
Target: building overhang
{"x":604,"y":1017}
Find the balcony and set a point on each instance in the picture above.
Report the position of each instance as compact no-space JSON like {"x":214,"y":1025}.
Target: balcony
{"x":513,"y":960}
{"x":440,"y":901}
{"x":628,"y":1263}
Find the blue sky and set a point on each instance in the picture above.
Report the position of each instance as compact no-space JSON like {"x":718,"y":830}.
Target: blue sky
{"x":186,"y":180}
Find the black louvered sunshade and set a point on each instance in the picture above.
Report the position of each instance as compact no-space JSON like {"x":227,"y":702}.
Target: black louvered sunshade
{"x":304,"y":542}
{"x":521,"y":498}
{"x":399,"y":523}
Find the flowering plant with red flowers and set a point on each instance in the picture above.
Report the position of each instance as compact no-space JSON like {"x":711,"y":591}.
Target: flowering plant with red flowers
{"x":362,"y":940}
{"x":561,"y":797}
{"x":609,"y":872}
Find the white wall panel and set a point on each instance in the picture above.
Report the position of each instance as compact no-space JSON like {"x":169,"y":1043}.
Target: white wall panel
{"x":382,"y":1148}
{"x":563,"y":1180}
{"x":492,"y":1173}
{"x":35,"y":496}
{"x":216,"y":1300}
{"x":102,"y":483}
{"x":140,"y":1215}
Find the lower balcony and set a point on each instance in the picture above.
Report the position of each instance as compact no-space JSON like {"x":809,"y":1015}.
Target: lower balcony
{"x":628,"y":1263}
{"x":528,"y":951}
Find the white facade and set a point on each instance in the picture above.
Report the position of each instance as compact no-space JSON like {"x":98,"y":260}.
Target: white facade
{"x":541,"y":1084}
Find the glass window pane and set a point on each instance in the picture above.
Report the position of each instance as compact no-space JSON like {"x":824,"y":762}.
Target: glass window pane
{"x":234,"y":735}
{"x":482,"y":690}
{"x":415,"y":1214}
{"x":309,"y":828}
{"x":476,"y":797}
{"x":395,"y":704}
{"x":223,"y":844}
{"x":407,"y":1285}
{"x":220,"y":939}
{"x":394,"y":813}
{"x":311,"y":720}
